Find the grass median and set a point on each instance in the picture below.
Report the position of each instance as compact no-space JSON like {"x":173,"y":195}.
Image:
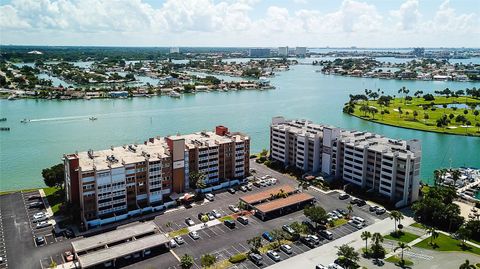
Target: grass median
{"x":446,"y":243}
{"x":405,"y":237}
{"x":182,"y":231}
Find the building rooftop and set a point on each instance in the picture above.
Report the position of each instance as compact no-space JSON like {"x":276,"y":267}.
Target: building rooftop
{"x":284,"y":202}
{"x":108,"y":254}
{"x":262,"y":196}
{"x":120,"y":234}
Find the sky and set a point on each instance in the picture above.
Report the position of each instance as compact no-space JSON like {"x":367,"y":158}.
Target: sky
{"x":241,"y":23}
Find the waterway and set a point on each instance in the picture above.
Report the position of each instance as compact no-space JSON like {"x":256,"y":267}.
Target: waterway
{"x":59,"y":127}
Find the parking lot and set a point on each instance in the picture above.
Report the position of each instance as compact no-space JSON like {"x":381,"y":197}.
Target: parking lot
{"x":224,"y":242}
{"x":43,"y":232}
{"x":3,"y":249}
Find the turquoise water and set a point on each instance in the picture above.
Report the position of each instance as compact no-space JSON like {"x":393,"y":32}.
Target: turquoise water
{"x":60,"y":127}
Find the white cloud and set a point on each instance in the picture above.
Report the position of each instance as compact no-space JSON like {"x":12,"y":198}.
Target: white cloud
{"x":408,"y":15}
{"x":231,"y":23}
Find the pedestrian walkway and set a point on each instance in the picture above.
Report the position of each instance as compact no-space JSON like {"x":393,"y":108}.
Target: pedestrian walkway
{"x":47,"y":206}
{"x":411,"y":244}
{"x":204,"y":225}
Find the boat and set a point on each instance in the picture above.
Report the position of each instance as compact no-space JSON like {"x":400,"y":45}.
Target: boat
{"x":174,"y":94}
{"x":12,"y":97}
{"x":92,"y":118}
{"x":3,"y":119}
{"x":25,"y":120}
{"x":4,"y":128}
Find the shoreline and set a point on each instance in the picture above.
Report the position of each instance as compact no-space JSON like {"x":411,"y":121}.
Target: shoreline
{"x":410,"y":128}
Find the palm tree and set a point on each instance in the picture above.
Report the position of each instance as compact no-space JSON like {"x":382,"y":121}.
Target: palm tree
{"x":437,"y":177}
{"x":396,"y":216}
{"x":350,"y":209}
{"x":365,"y":236}
{"x":402,"y":246}
{"x":467,"y":265}
{"x":433,"y":234}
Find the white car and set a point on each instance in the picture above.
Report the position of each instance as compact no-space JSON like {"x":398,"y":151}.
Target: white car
{"x":39,"y":218}
{"x":356,"y":224}
{"x":380,"y":211}
{"x":233,"y":208}
{"x":334,"y":266}
{"x":273,"y":255}
{"x":216,"y":214}
{"x":194,"y":235}
{"x":286,"y":248}
{"x":332,"y":215}
{"x":39,"y":214}
{"x":209,"y":197}
{"x":358,"y":219}
{"x":43,"y":224}
{"x":172,"y":243}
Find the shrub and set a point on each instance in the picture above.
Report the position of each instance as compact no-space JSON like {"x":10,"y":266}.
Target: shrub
{"x":240,"y":257}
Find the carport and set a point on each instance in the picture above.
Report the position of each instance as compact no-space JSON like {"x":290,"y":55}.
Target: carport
{"x":256,"y":198}
{"x":109,"y":246}
{"x":281,"y":206}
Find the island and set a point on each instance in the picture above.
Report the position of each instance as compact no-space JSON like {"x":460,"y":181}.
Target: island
{"x":445,"y":111}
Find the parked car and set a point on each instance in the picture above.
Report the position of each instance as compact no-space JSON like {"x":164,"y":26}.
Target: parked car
{"x":249,"y":186}
{"x":268,"y":237}
{"x":35,"y":204}
{"x":342,"y":211}
{"x":179,"y":240}
{"x":343,"y":196}
{"x":332,"y":216}
{"x":39,"y":214}
{"x":209,"y":196}
{"x":326,"y":234}
{"x":309,"y":225}
{"x":68,"y":256}
{"x":194,"y":235}
{"x":256,"y":258}
{"x":356,"y":224}
{"x":263,"y":183}
{"x":210,"y":216}
{"x":200,"y":215}
{"x":39,"y":218}
{"x":233,"y":208}
{"x":288,"y":229}
{"x":359,"y":219}
{"x":34,"y":197}
{"x":380,"y":211}
{"x":43,"y":224}
{"x":334,"y":266}
{"x":315,"y":238}
{"x":273,"y":255}
{"x":273,"y":181}
{"x":68,"y":233}
{"x":361,"y":202}
{"x":287,"y":249}
{"x":307,"y":241}
{"x":320,"y":266}
{"x":243,"y":188}
{"x":229,"y":223}
{"x":338,"y":214}
{"x":373,"y":208}
{"x":232,"y":190}
{"x":189,"y":222}
{"x":257,"y":183}
{"x":172,"y":243}
{"x":40,"y":240}
{"x":243,"y":220}
{"x":216,"y":214}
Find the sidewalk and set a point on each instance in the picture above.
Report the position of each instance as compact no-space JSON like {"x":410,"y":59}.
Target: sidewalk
{"x":47,"y":206}
{"x":204,"y":225}
{"x":411,"y":244}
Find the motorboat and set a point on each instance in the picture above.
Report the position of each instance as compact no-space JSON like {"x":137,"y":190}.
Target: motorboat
{"x":92,"y":118}
{"x":25,"y":120}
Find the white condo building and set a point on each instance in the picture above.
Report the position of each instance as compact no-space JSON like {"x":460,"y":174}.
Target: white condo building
{"x":282,"y":51}
{"x":386,"y":166}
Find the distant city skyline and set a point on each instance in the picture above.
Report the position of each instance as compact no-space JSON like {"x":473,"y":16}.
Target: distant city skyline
{"x":241,"y":23}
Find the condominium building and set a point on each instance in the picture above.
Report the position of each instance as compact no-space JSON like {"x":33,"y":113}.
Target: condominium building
{"x":121,"y":181}
{"x":386,"y":166}
{"x":282,"y":51}
{"x":259,"y":52}
{"x":301,"y":51}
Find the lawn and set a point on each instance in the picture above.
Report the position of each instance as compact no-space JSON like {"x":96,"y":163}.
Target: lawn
{"x":407,"y":119}
{"x":55,"y":197}
{"x":178,"y":232}
{"x":418,"y":225}
{"x":339,"y":222}
{"x":405,"y":237}
{"x":446,"y":243}
{"x":396,"y":260}
{"x":222,"y":219}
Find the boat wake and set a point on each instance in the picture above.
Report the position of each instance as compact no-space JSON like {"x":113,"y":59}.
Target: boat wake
{"x":61,"y":119}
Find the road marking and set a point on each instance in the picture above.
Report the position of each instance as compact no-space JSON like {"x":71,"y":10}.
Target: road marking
{"x":174,"y":254}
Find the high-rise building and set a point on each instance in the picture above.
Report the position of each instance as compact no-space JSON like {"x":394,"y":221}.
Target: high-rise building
{"x":175,"y":50}
{"x":259,"y":52}
{"x":386,"y":166}
{"x":126,"y":180}
{"x":282,"y":51}
{"x":301,"y":51}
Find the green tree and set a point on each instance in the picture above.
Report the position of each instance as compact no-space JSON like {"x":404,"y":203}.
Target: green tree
{"x":348,"y":257}
{"x":255,"y":243}
{"x":197,"y":180}
{"x":463,"y":234}
{"x":433,"y":234}
{"x":350,"y":210}
{"x":402,"y":246}
{"x":186,"y":261}
{"x":298,"y":227}
{"x":208,"y":260}
{"x":264,"y":152}
{"x":316,"y":214}
{"x":365,"y":236}
{"x":279,"y":235}
{"x":396,"y":216}
{"x":377,"y":249}
{"x":54,"y":176}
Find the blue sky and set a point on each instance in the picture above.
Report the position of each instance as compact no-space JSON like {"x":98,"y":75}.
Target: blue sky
{"x":312,"y":23}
